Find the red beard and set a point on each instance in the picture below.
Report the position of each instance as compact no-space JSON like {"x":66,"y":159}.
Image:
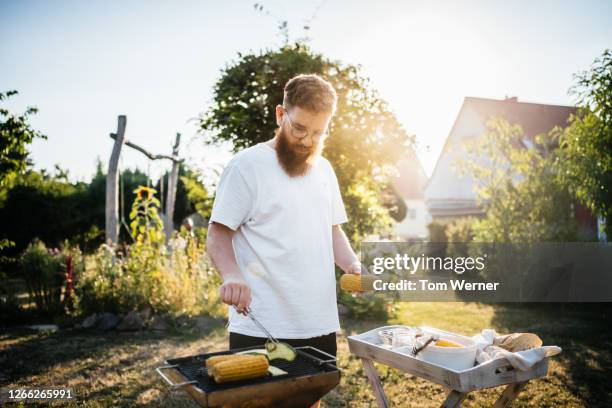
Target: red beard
{"x":294,"y":158}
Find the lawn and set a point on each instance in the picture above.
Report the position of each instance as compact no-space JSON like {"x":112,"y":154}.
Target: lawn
{"x":117,"y":369}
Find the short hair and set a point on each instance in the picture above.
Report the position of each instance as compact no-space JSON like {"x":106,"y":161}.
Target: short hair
{"x":310,"y":92}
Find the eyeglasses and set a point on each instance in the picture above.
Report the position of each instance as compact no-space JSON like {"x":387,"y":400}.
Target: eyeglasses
{"x":300,"y":132}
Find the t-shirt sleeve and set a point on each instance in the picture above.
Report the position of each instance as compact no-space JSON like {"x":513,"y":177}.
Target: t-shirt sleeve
{"x":234,"y":198}
{"x":338,"y":210}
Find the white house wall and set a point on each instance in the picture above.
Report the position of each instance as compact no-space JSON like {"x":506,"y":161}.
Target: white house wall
{"x":414,"y":225}
{"x":446,"y":184}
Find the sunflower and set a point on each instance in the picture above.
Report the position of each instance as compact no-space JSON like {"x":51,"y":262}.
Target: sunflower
{"x":147,"y":192}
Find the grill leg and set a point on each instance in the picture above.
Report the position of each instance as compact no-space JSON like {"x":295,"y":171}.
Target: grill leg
{"x":379,"y":391}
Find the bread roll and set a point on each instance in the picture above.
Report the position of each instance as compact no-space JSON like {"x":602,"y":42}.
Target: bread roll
{"x":518,"y":341}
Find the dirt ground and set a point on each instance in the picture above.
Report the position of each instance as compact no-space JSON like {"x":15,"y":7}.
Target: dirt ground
{"x":117,"y":369}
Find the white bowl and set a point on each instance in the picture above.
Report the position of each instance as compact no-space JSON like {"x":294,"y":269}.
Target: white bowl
{"x":453,"y":358}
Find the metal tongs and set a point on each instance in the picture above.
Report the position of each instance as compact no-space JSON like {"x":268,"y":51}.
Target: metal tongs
{"x":248,"y":312}
{"x":418,"y":348}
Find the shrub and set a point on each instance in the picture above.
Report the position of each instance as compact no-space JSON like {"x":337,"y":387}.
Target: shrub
{"x":437,"y":231}
{"x":9,"y":307}
{"x":177,"y":279}
{"x":369,"y":306}
{"x":42,"y":270}
{"x":180,"y":281}
{"x":460,"y":230}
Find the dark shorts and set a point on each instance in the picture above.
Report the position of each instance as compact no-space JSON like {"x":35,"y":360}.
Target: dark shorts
{"x":326,"y":343}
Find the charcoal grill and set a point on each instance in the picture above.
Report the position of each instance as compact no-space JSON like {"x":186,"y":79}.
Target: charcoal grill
{"x":309,"y":377}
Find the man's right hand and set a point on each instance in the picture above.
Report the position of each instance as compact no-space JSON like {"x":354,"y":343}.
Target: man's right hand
{"x":235,"y":292}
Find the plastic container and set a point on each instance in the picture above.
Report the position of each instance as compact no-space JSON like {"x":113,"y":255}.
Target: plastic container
{"x":453,"y":358}
{"x":396,"y":336}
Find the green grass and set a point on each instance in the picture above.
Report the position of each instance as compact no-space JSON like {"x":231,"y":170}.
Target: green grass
{"x":117,"y":369}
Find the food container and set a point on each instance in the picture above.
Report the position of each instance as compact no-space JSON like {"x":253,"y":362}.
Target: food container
{"x":397,"y":336}
{"x":454,"y":358}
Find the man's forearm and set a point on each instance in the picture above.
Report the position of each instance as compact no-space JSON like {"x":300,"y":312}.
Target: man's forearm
{"x":221,"y":251}
{"x":234,"y":291}
{"x":344,"y":256}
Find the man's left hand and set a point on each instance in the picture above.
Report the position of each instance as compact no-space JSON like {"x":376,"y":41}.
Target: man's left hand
{"x":356,"y":268}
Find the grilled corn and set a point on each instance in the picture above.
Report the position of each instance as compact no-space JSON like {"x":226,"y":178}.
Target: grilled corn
{"x":357,"y":283}
{"x":211,"y":362}
{"x":241,"y":368}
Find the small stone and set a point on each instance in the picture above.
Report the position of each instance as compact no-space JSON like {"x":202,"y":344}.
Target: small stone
{"x":204,"y":323}
{"x":146,"y":313}
{"x":107,"y":321}
{"x":65,"y":322}
{"x":131,"y":322}
{"x":44,"y":327}
{"x":90,"y":321}
{"x":158,"y":323}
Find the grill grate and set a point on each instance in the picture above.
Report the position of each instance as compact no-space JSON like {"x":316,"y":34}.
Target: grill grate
{"x":193,"y":368}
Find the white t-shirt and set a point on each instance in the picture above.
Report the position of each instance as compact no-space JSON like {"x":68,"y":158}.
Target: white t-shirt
{"x":283,"y":242}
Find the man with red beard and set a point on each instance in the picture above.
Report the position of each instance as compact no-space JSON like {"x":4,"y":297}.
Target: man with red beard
{"x":275,"y":233}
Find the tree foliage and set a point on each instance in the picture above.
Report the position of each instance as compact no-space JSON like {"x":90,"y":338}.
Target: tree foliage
{"x":519,"y":187}
{"x":587,"y":142}
{"x":15,"y":135}
{"x":38,"y":204}
{"x":365,"y":140}
{"x":46,"y":207}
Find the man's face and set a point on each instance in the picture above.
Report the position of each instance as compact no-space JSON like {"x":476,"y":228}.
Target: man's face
{"x":296,"y":153}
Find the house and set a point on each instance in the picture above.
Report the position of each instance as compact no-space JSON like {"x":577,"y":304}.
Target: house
{"x":409,"y":185}
{"x":449,"y":195}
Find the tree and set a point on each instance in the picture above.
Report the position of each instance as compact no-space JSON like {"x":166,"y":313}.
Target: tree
{"x":519,"y":187}
{"x":42,"y":206}
{"x":15,"y":135}
{"x":365,"y":140}
{"x":587,"y":142}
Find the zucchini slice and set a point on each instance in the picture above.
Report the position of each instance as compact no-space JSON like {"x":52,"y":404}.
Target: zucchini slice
{"x":280,"y":350}
{"x":276,"y":371}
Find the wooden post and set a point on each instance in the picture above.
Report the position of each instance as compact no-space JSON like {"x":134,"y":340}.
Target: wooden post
{"x":171,"y":193}
{"x":112,"y":182}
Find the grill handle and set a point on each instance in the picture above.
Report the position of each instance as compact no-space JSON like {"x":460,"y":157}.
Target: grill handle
{"x":168,"y":380}
{"x":332,"y":359}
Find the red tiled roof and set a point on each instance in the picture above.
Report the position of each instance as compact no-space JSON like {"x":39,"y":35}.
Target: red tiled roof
{"x":534,"y":118}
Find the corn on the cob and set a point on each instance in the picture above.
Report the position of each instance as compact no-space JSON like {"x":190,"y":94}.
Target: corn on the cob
{"x":241,"y":369}
{"x":357,"y":283}
{"x":211,"y":362}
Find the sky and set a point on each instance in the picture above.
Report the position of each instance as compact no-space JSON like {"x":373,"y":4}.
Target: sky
{"x":83,"y":63}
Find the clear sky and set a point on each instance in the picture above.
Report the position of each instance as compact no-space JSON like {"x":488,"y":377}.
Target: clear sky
{"x":82,"y":63}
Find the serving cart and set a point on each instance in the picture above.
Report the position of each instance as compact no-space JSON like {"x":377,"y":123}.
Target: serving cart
{"x":369,"y":348}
